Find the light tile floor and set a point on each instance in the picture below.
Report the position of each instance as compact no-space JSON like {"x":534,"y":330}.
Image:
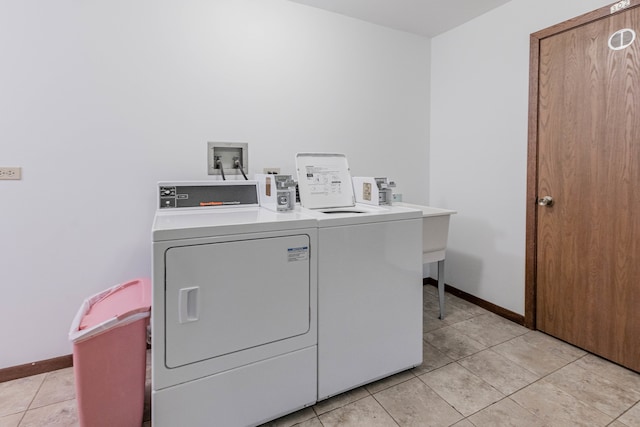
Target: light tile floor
{"x":479,"y":370}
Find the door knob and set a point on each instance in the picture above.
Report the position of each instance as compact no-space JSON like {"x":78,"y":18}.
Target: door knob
{"x":546,"y":201}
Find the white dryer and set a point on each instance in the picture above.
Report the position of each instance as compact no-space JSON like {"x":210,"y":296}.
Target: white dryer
{"x":369,"y":279}
{"x":234,"y":321}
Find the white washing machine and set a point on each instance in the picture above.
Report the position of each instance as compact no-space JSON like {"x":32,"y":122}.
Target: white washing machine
{"x":234,"y":321}
{"x":369,"y":279}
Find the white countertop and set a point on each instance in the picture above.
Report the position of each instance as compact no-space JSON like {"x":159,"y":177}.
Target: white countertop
{"x":426,"y":210}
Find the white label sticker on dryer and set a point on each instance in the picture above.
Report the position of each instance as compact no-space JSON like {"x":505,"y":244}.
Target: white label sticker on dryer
{"x":298,"y":254}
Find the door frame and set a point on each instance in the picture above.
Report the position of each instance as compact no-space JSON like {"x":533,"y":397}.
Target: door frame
{"x":532,"y":150}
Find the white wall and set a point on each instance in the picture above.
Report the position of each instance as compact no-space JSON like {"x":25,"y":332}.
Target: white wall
{"x":100,"y":100}
{"x":478,"y":145}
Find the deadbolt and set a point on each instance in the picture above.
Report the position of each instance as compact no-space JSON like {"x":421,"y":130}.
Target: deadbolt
{"x":546,"y":201}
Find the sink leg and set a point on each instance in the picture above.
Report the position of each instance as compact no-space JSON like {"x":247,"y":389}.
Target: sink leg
{"x":441,"y":287}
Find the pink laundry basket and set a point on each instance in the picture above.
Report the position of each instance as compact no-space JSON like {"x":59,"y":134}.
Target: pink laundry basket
{"x":109,"y":355}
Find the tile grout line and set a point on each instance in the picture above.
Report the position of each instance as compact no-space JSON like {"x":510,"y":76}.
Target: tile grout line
{"x":613,"y":363}
{"x":628,"y":409}
{"x":24,"y":414}
{"x":30,"y":409}
{"x":438,"y":394}
{"x":507,"y":396}
{"x":391,"y":386}
{"x":593,"y":372}
{"x":515,"y":362}
{"x":544,"y":378}
{"x":489,"y":405}
{"x":385,"y":409}
{"x":342,"y":406}
{"x":456,"y":361}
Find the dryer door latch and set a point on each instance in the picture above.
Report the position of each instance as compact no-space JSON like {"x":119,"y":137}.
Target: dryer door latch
{"x":189,"y":304}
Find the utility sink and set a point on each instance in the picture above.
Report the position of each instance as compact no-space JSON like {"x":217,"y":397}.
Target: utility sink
{"x":435,"y":231}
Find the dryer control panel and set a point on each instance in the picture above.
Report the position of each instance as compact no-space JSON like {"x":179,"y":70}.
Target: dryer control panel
{"x":208,"y":194}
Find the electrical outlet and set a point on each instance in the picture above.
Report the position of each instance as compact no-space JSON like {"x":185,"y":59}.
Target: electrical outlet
{"x":10,"y":173}
{"x":272,"y":171}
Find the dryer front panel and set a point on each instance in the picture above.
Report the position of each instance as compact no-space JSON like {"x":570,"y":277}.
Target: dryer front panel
{"x":223,"y":298}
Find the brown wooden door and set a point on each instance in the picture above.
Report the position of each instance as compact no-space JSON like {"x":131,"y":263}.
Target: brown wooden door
{"x":588,"y":242}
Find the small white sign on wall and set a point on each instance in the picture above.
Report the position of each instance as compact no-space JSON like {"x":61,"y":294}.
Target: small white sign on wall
{"x":620,"y":5}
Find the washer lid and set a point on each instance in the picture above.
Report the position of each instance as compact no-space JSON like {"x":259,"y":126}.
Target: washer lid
{"x":324,"y":180}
